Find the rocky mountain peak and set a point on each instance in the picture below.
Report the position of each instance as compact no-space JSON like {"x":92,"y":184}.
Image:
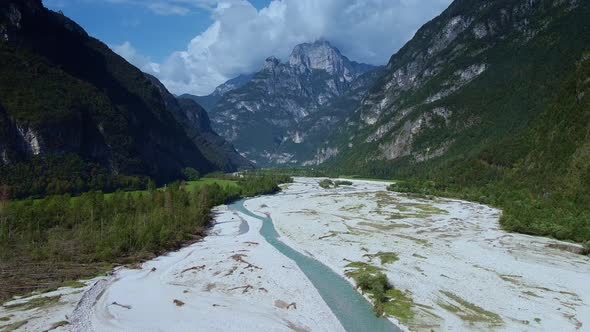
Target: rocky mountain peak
{"x":270,"y":63}
{"x":233,"y":84}
{"x":319,"y":55}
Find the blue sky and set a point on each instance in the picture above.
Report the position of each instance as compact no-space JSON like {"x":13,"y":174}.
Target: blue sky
{"x":192,"y":46}
{"x":149,"y":31}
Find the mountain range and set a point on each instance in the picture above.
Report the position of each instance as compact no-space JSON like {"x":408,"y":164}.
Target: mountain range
{"x":280,"y":115}
{"x":488,"y":101}
{"x":74,"y":115}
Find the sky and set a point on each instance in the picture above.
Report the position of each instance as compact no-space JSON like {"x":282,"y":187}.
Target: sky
{"x":193,"y":46}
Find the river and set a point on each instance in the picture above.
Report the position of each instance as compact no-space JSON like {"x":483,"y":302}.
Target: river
{"x":352,"y":310}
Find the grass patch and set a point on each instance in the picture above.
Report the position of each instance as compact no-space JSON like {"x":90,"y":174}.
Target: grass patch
{"x":411,"y":238}
{"x":381,"y":227}
{"x":194,"y":185}
{"x":326,"y":183}
{"x":14,"y":326}
{"x":399,"y":305}
{"x":358,"y":177}
{"x":59,"y":324}
{"x":356,"y":207}
{"x":74,"y":284}
{"x":529,"y":293}
{"x":38,"y":302}
{"x":386,"y":299}
{"x":468,"y":311}
{"x":427,"y":208}
{"x":4,"y":319}
{"x":385,"y":257}
{"x":400,"y":216}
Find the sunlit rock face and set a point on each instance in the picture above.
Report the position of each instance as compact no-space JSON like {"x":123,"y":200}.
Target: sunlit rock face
{"x":277,"y":117}
{"x":436,"y":92}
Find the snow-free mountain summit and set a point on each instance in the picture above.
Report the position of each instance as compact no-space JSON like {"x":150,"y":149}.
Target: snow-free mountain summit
{"x":263,"y":113}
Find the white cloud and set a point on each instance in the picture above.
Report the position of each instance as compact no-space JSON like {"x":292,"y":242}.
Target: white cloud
{"x":241,"y":36}
{"x":163,"y":8}
{"x":129,"y":53}
{"x":170,"y":7}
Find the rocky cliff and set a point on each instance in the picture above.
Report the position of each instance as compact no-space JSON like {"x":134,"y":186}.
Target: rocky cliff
{"x":478,"y":74}
{"x":268,"y":117}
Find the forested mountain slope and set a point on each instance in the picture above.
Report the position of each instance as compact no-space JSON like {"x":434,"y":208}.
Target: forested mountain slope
{"x":195,"y":121}
{"x":76,"y":116}
{"x":489,"y":100}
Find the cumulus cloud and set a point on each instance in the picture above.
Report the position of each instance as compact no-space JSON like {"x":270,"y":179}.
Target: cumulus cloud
{"x":127,"y":51}
{"x":241,"y":36}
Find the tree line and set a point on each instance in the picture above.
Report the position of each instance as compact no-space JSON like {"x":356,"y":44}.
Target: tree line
{"x":121,"y":227}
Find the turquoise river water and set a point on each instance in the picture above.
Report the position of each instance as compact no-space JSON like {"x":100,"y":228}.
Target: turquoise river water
{"x":353,"y":311}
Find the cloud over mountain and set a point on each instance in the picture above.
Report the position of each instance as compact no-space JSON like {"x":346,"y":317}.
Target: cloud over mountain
{"x":241,"y":36}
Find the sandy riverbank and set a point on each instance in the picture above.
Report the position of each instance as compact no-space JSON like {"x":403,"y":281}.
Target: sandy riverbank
{"x":232,"y":281}
{"x":450,"y":257}
{"x":461,"y":270}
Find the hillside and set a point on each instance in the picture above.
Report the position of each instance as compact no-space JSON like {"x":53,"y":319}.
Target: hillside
{"x":195,"y":121}
{"x":489,"y":101}
{"x":76,"y":116}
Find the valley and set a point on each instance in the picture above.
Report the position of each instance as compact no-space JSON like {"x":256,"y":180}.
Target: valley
{"x":448,"y":263}
{"x":299,"y":165}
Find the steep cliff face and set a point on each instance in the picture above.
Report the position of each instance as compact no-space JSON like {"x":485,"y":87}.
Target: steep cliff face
{"x":63,"y":93}
{"x":478,"y":74}
{"x":262,"y":117}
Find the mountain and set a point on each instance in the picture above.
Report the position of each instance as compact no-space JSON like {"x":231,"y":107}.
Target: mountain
{"x":475,"y":75}
{"x":195,"y":121}
{"x":208,"y":102}
{"x":490,"y":99}
{"x":76,"y":116}
{"x":265,"y":118}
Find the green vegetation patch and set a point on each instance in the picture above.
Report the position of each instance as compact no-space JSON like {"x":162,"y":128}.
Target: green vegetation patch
{"x":38,"y":302}
{"x":426,"y":208}
{"x":195,"y":185}
{"x":468,"y":311}
{"x":58,"y":325}
{"x":61,"y":238}
{"x":386,"y":299}
{"x":14,"y":326}
{"x":74,"y":284}
{"x":326,"y":184}
{"x":399,"y":305}
{"x":383,"y":227}
{"x":406,"y":209}
{"x":385,"y":257}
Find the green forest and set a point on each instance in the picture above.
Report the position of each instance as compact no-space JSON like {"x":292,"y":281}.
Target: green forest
{"x":45,"y":242}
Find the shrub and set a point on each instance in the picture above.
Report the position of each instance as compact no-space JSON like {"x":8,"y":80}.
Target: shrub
{"x":191,"y":174}
{"x":326,"y":184}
